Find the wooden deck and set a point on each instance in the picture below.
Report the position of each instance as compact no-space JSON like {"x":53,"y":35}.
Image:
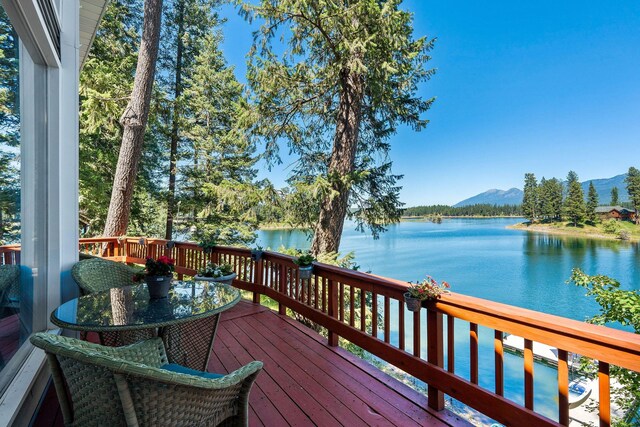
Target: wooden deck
{"x":304,"y":381}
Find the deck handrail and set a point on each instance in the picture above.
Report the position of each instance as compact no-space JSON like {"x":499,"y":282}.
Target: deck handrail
{"x":335,"y":297}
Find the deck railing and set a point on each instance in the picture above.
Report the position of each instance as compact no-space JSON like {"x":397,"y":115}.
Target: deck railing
{"x":342,"y":300}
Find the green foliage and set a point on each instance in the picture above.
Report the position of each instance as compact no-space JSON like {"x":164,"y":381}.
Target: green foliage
{"x":304,"y":259}
{"x":105,"y":86}
{"x":470,"y":210}
{"x":297,"y":95}
{"x":9,"y":134}
{"x":550,"y":194}
{"x":216,"y":196}
{"x":611,"y":226}
{"x":592,"y":204}
{"x":530,"y":199}
{"x":574,"y":207}
{"x":616,"y":306}
{"x":633,"y":188}
{"x":614,"y":197}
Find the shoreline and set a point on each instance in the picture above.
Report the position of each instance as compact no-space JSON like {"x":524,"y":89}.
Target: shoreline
{"x":581,"y":232}
{"x":410,"y":218}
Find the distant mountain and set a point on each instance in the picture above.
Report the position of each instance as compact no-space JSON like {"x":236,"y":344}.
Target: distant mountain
{"x":604,"y":186}
{"x":513,"y":196}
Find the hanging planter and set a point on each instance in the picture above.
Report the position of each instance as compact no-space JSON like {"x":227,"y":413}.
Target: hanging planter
{"x":305,"y":272}
{"x":428,"y":289}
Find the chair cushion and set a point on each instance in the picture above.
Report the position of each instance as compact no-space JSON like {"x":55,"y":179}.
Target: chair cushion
{"x":174,"y":367}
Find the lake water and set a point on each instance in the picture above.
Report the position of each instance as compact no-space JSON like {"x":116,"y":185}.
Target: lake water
{"x":480,"y":257}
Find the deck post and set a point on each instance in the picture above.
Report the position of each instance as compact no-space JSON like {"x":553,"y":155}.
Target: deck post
{"x":435,"y":353}
{"x":333,"y":311}
{"x":257,"y":279}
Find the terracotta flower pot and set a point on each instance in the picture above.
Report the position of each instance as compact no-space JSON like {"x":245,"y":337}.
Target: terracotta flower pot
{"x":158,"y":286}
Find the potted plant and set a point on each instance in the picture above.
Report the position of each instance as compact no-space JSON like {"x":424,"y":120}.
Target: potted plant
{"x":256,"y":254}
{"x":207,"y":245}
{"x":212,"y":272}
{"x":425,"y":290}
{"x":157,"y":274}
{"x":304,"y":261}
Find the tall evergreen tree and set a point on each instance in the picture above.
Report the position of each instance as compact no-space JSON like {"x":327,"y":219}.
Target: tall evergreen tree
{"x":574,"y":206}
{"x":633,"y":188}
{"x":186,"y":23}
{"x":592,"y":204}
{"x":530,"y":199}
{"x":348,"y":78}
{"x":615,"y":201}
{"x":550,"y":191}
{"x":216,"y":191}
{"x":134,"y":122}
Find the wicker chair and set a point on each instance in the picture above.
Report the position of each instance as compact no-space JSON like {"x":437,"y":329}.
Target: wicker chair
{"x":132,"y":386}
{"x":95,"y":275}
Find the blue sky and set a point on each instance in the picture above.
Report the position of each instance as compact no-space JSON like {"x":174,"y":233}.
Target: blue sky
{"x":542,"y":87}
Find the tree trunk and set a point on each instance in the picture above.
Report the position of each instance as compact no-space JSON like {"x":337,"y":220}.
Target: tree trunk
{"x":134,"y":122}
{"x":171,"y":197}
{"x":328,"y":230}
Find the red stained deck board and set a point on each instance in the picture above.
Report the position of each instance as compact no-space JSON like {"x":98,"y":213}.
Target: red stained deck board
{"x":335,"y":386}
{"x":232,"y":356}
{"x":344,"y":406}
{"x":278,"y":371}
{"x":371,"y":393}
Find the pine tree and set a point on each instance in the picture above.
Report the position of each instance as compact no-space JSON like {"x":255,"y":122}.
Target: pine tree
{"x":134,"y":123}
{"x":347,"y":79}
{"x":574,"y":206}
{"x":614,"y":197}
{"x":633,"y":188}
{"x":551,"y":199}
{"x":592,"y":204}
{"x":216,"y":191}
{"x":530,"y":199}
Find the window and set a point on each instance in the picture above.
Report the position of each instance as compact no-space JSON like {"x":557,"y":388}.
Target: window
{"x":13,"y":327}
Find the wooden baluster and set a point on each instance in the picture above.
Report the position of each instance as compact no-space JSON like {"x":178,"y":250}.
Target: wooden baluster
{"x":451,"y":344}
{"x":363,"y":310}
{"x":324,"y":294}
{"x":341,"y":302}
{"x":563,"y":387}
{"x":333,"y":311}
{"x":473,"y":352}
{"x":282,"y":288}
{"x":315,"y":292}
{"x":387,"y":319}
{"x":416,"y":333}
{"x":374,"y":314}
{"x":528,"y":374}
{"x":401,"y":331}
{"x":352,"y":310}
{"x":604,"y":394}
{"x":435,"y":355}
{"x":498,"y":350}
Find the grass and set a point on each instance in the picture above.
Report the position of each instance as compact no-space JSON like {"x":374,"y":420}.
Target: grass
{"x":599,"y":230}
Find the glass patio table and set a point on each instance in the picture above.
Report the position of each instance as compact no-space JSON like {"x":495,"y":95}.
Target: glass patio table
{"x":186,"y":320}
